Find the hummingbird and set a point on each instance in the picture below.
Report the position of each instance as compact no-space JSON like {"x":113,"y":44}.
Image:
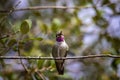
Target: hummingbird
{"x":60,"y":49}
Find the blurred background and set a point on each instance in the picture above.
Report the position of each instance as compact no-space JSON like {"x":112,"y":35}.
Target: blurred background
{"x":92,"y":29}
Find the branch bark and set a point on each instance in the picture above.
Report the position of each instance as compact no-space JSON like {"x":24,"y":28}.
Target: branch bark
{"x":59,"y":58}
{"x":44,"y":7}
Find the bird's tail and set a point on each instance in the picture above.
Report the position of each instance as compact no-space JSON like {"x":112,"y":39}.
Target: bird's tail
{"x":60,"y":67}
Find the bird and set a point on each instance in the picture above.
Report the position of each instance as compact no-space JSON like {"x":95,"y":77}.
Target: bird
{"x":60,"y":49}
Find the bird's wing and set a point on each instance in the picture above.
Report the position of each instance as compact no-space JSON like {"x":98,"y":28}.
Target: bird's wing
{"x":59,"y":52}
{"x":54,"y":51}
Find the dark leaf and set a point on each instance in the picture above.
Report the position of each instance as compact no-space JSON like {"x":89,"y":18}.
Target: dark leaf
{"x":25,"y":26}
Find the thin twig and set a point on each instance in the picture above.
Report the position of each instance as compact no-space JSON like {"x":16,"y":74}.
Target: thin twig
{"x":44,"y":7}
{"x":9,"y":12}
{"x":40,"y":75}
{"x":19,"y":53}
{"x":59,"y":58}
{"x":3,"y":37}
{"x":47,"y":7}
{"x":8,"y":35}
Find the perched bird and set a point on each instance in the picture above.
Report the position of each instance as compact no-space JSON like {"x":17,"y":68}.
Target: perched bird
{"x":60,"y":49}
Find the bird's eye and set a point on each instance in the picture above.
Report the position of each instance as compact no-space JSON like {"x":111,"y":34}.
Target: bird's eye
{"x":57,"y":35}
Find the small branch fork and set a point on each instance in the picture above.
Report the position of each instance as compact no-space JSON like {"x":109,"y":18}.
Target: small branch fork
{"x":59,"y":58}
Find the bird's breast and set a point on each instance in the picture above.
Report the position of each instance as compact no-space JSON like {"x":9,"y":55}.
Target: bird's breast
{"x":62,"y":45}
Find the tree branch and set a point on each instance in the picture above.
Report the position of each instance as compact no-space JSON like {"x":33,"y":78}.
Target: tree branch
{"x":9,"y":12}
{"x":58,"y":58}
{"x":3,"y":37}
{"x":19,"y":53}
{"x":44,"y":7}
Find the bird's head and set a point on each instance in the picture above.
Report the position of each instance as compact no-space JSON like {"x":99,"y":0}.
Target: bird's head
{"x":59,"y":37}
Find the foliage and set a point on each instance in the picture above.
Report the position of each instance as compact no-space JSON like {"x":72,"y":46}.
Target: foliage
{"x":34,"y":35}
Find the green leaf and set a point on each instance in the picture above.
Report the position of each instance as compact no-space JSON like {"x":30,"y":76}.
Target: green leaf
{"x":46,"y":63}
{"x":40,"y":63}
{"x":39,"y":39}
{"x":56,"y":24}
{"x":12,"y":42}
{"x":115,"y":63}
{"x":25,"y":26}
{"x":44,"y":27}
{"x":15,"y":48}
